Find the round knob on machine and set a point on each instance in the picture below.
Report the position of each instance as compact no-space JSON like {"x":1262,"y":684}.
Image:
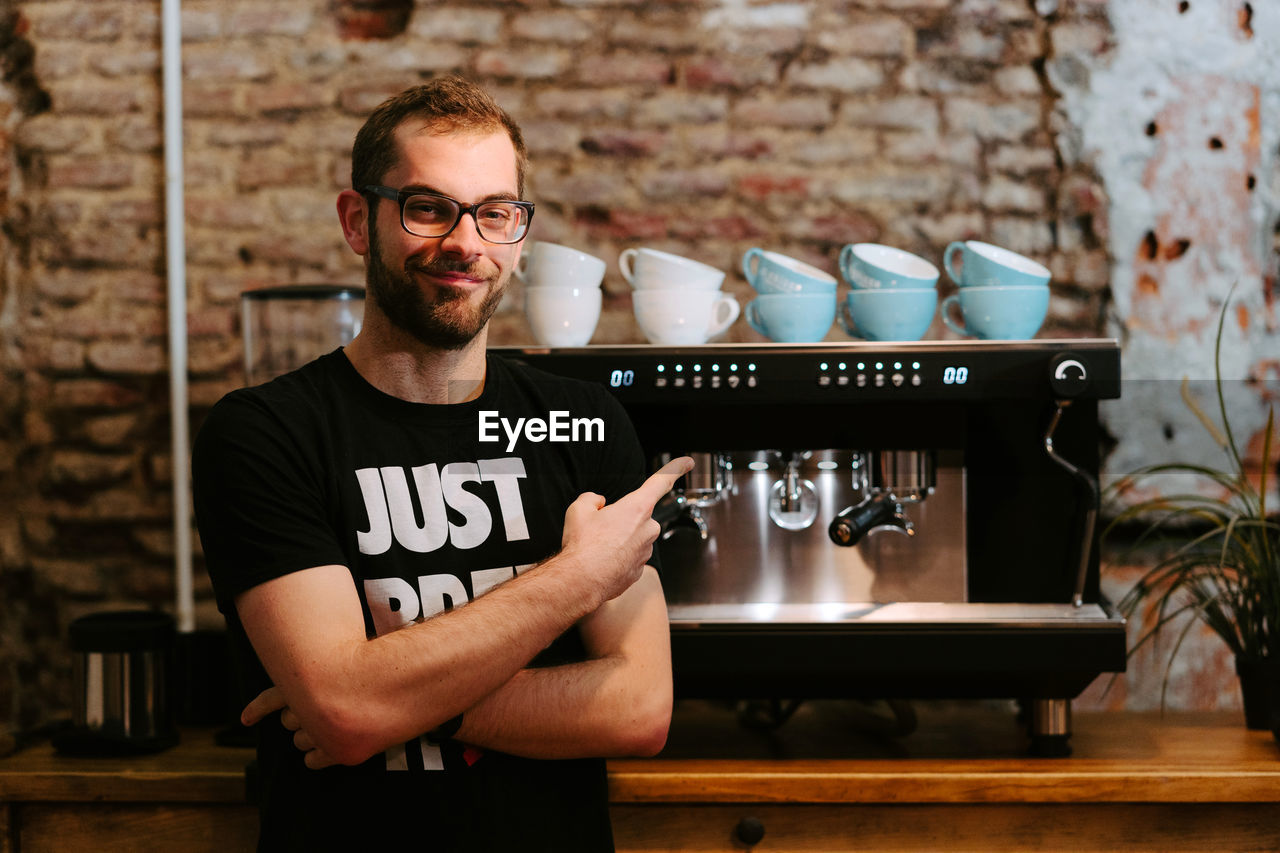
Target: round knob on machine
{"x":1068,"y":375}
{"x":749,"y":831}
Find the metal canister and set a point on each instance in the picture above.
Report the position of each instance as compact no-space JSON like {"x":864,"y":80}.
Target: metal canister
{"x":120,"y":682}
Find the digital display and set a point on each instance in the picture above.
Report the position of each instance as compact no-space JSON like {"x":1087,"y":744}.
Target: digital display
{"x":955,"y":375}
{"x":622,"y":378}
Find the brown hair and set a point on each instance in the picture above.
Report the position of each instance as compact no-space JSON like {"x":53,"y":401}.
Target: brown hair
{"x":446,"y":104}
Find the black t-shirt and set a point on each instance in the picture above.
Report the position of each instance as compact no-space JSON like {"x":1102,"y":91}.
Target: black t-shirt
{"x":318,"y":467}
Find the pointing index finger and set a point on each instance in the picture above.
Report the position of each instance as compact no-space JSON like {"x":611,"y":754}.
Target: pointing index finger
{"x":661,"y":481}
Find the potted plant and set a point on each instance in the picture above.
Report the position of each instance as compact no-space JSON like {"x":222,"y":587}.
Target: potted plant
{"x":1223,"y":566}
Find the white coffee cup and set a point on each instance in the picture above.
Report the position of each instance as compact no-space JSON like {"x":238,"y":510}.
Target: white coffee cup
{"x":562,"y":316}
{"x":683,"y":317}
{"x":650,"y":269}
{"x":545,"y":264}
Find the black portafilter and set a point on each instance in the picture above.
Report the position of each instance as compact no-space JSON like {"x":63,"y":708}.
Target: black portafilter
{"x":888,"y":478}
{"x":877,"y":511}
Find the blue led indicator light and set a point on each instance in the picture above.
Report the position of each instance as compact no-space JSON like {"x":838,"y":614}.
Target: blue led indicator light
{"x":751,"y":367}
{"x":841,"y":365}
{"x":679,"y":368}
{"x":715,"y":368}
{"x":733,"y":367}
{"x":822,"y":366}
{"x":661,"y":368}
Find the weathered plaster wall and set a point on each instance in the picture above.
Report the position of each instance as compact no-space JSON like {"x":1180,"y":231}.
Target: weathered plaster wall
{"x":1180,"y":119}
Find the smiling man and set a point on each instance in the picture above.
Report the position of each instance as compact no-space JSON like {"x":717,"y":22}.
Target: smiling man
{"x":348,"y":512}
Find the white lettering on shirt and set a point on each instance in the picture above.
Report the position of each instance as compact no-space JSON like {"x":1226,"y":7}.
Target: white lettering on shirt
{"x":393,"y":512}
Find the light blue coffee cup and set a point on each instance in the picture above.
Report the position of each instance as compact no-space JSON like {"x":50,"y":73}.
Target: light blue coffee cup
{"x":998,"y":313}
{"x":889,"y":314}
{"x":985,"y":265}
{"x":868,"y":266}
{"x":792,"y":318}
{"x":771,"y":272}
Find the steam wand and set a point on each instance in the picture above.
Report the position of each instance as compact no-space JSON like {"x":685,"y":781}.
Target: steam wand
{"x":1090,"y":486}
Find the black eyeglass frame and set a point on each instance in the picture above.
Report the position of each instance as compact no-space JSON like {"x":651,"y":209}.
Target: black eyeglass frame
{"x":402,"y":196}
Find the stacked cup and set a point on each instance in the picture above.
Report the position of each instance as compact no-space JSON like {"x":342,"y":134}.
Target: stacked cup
{"x":1002,"y":296}
{"x":893,"y":296}
{"x":677,"y":301}
{"x":562,"y":295}
{"x":796,"y":301}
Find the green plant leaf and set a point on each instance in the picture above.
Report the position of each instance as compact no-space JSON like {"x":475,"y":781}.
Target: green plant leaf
{"x":1221,"y":560}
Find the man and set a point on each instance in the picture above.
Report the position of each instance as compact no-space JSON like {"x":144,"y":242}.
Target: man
{"x":349,"y":509}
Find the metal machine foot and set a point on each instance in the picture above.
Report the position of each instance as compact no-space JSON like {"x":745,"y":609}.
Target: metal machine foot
{"x":1050,"y":728}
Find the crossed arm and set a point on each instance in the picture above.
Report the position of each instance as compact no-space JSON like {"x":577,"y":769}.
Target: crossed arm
{"x":348,"y":697}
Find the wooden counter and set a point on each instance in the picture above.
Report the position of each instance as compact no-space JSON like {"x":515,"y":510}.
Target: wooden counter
{"x":820,"y":782}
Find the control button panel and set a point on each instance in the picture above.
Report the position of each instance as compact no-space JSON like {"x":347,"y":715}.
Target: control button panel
{"x":1074,"y":369}
{"x":875,"y":374}
{"x":778,"y":374}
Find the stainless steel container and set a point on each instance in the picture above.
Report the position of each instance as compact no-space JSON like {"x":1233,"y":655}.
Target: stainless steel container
{"x":120,"y":682}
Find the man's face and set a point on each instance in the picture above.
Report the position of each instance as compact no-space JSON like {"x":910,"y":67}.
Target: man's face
{"x":442,"y":290}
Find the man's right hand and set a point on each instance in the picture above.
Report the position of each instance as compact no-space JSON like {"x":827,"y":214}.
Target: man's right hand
{"x":613,"y":542}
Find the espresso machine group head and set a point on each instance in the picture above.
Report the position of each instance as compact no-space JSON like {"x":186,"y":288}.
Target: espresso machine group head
{"x":891,"y":478}
{"x":877,"y":521}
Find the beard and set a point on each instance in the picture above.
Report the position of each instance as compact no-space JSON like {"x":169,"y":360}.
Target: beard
{"x":447,"y":323}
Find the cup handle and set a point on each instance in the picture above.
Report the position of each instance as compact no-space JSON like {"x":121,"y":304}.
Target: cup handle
{"x":945,"y":310}
{"x":522,"y":265}
{"x":846,"y":320}
{"x":731,"y":305}
{"x":624,"y":264}
{"x":753,"y":318}
{"x":842,"y":263}
{"x":952,"y":248}
{"x":749,"y":269}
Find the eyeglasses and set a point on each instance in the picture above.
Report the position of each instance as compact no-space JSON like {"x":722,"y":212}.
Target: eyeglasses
{"x":426,"y":214}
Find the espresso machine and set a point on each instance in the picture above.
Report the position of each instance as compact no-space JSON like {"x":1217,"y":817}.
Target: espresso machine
{"x":877,"y":521}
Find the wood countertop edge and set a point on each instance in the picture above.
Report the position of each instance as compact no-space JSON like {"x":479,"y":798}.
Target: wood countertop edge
{"x":1130,"y":759}
{"x":646,"y":786}
{"x":118,"y":786}
{"x":631,"y":783}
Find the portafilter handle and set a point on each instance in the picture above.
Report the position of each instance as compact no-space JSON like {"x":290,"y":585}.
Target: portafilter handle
{"x":673,"y":512}
{"x":878,"y":512}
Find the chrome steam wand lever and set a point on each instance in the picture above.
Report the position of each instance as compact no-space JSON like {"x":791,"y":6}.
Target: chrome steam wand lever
{"x":1089,"y":487}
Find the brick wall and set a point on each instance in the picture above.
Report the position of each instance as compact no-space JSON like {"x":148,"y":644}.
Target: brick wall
{"x":699,"y":127}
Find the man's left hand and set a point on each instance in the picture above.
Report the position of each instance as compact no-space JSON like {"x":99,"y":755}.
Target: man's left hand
{"x":268,"y":702}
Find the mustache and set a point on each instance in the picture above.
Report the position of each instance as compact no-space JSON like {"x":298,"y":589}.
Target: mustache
{"x":440,"y":265}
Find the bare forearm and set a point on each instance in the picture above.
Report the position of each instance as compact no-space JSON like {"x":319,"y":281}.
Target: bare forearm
{"x":589,"y":709}
{"x":616,"y":703}
{"x":370,"y":694}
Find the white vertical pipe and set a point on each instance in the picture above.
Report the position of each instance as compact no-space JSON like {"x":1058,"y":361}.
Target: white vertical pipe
{"x":176,"y":253}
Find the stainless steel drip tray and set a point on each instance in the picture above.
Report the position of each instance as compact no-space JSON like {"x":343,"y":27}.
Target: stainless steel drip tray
{"x":895,"y":614}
